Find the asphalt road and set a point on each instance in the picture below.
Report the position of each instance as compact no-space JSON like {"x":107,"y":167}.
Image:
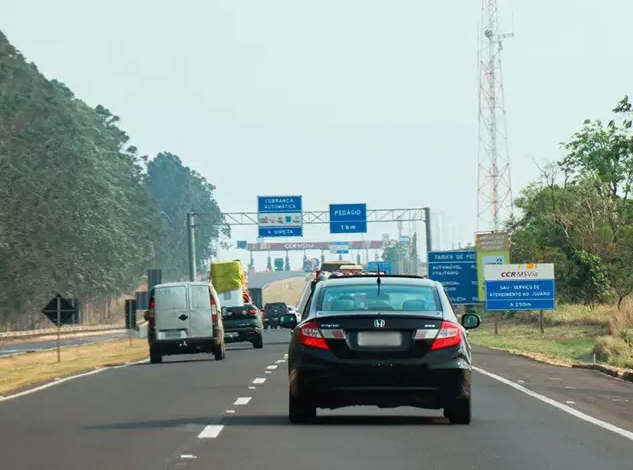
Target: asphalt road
{"x":32,"y":346}
{"x":194,"y":413}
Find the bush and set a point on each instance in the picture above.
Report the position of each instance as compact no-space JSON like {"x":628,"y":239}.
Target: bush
{"x":627,"y":335}
{"x":620,"y":320}
{"x":608,"y":348}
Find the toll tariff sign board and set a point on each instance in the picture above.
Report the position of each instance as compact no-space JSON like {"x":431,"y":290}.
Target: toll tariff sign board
{"x":457,"y":271}
{"x":280,"y":216}
{"x":519,"y":287}
{"x":348,"y":218}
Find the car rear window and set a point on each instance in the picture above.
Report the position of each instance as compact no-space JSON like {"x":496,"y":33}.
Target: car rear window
{"x":171,"y":298}
{"x":393,"y":297}
{"x":200,"y":297}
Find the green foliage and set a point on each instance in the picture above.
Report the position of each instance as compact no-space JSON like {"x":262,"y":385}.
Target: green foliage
{"x":582,"y":221}
{"x":78,"y":213}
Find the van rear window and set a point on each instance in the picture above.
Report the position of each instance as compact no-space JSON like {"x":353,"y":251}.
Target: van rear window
{"x":171,"y":298}
{"x":200,"y":297}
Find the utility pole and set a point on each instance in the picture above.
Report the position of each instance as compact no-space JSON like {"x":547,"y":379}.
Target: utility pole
{"x":494,"y":189}
{"x":192,"y":246}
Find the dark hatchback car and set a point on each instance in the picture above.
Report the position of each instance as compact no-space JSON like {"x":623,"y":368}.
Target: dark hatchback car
{"x":272,"y":311}
{"x":385,"y":341}
{"x":243,"y":324}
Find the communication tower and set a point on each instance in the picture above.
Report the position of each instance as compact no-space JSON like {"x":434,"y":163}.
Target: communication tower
{"x":494,"y":190}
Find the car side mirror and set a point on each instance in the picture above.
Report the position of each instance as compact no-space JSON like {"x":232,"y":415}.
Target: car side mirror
{"x":288,"y":320}
{"x":470,"y":321}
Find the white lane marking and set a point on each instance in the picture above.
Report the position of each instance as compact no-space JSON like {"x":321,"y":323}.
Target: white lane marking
{"x":272,"y":367}
{"x":259,"y":380}
{"x":242,"y":401}
{"x":286,"y":356}
{"x":252,"y":388}
{"x":65,"y":379}
{"x":268,"y":372}
{"x":188,"y":456}
{"x":560,"y":406}
{"x":230,"y":411}
{"x":569,"y":402}
{"x":211,"y":431}
{"x":280,"y":361}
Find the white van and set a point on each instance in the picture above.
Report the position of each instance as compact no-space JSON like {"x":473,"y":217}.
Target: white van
{"x":183,"y":319}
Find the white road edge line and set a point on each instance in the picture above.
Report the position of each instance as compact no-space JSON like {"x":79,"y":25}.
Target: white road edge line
{"x":242,"y":401}
{"x":259,"y":380}
{"x":272,"y":367}
{"x":560,"y":406}
{"x":58,"y":381}
{"x":211,"y":431}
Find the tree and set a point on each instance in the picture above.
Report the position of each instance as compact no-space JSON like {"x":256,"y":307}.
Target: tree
{"x":179,"y":190}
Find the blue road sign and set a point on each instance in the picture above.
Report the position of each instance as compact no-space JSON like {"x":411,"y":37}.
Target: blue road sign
{"x":524,"y":294}
{"x":348,"y":218}
{"x":280,"y":216}
{"x":457,"y":271}
{"x":375,"y":266}
{"x":340,"y":248}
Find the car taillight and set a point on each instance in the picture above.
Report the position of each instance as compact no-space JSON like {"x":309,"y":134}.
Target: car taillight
{"x":214,"y":311}
{"x":449,"y":335}
{"x":252,"y":311}
{"x":310,"y":336}
{"x":151,"y":314}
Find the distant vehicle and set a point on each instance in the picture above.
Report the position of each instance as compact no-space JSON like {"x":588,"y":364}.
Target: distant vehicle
{"x":256,"y":296}
{"x":310,"y":265}
{"x":352,"y":325}
{"x":243,"y":324}
{"x":183,"y":319}
{"x":294,"y":311}
{"x":332,"y":266}
{"x":279,"y":264}
{"x":272,"y":311}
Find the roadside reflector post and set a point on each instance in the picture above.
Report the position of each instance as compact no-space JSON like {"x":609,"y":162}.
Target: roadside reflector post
{"x":59,"y":325}
{"x":542,"y":321}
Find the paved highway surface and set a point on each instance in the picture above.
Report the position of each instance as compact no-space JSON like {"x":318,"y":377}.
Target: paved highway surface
{"x":194,"y":413}
{"x":31,"y":346}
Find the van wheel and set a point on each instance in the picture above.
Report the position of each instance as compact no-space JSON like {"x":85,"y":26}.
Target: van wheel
{"x":258,"y":342}
{"x":155,"y":357}
{"x":220,"y":352}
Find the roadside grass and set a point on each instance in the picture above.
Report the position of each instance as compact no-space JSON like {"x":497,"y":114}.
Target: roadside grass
{"x":573,"y":334}
{"x":27,"y":370}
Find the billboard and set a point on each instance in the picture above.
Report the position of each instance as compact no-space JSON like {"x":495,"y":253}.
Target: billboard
{"x":491,"y":248}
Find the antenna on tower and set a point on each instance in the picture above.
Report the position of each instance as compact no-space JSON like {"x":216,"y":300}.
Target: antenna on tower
{"x":494,"y":189}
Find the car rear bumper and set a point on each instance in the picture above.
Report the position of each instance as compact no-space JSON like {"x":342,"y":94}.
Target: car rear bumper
{"x":380,"y":384}
{"x":241,"y":334}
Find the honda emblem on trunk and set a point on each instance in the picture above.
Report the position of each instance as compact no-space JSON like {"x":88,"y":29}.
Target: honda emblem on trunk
{"x":379,"y":323}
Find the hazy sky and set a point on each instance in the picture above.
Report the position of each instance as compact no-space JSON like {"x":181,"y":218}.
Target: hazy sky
{"x":341,"y":101}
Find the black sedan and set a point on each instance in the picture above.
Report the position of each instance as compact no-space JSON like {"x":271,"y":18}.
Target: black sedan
{"x":386,"y":341}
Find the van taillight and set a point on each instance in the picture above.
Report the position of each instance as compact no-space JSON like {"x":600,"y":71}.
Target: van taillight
{"x":214,"y":310}
{"x":252,"y":311}
{"x":151,"y":311}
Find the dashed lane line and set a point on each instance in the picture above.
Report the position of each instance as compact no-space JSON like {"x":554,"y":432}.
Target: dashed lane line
{"x":242,"y":401}
{"x":259,"y":380}
{"x":211,"y":431}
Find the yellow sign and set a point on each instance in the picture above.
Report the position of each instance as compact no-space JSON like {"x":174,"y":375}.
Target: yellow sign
{"x":492,"y":248}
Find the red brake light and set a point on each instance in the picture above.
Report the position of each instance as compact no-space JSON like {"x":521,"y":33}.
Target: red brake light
{"x":309,"y":335}
{"x":252,"y":311}
{"x":151,"y":317}
{"x":214,"y":310}
{"x":449,"y":335}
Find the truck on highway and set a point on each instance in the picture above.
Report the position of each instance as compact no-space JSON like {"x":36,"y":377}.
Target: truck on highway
{"x":311,"y":265}
{"x":257,"y":297}
{"x":279,"y":264}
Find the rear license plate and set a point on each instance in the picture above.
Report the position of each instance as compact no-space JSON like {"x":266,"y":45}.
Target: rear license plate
{"x":172,"y":334}
{"x":230,"y":335}
{"x":377,"y":339}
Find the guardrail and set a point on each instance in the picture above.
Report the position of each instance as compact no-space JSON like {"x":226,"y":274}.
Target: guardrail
{"x":64,"y":330}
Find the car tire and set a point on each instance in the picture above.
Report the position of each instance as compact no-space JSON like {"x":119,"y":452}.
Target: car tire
{"x":300,"y":412}
{"x":258,"y":342}
{"x":155,"y":356}
{"x":220,"y":352}
{"x":459,"y":412}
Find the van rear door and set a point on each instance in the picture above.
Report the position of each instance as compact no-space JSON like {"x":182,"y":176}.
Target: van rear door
{"x":171,"y":312}
{"x":201,"y":321}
